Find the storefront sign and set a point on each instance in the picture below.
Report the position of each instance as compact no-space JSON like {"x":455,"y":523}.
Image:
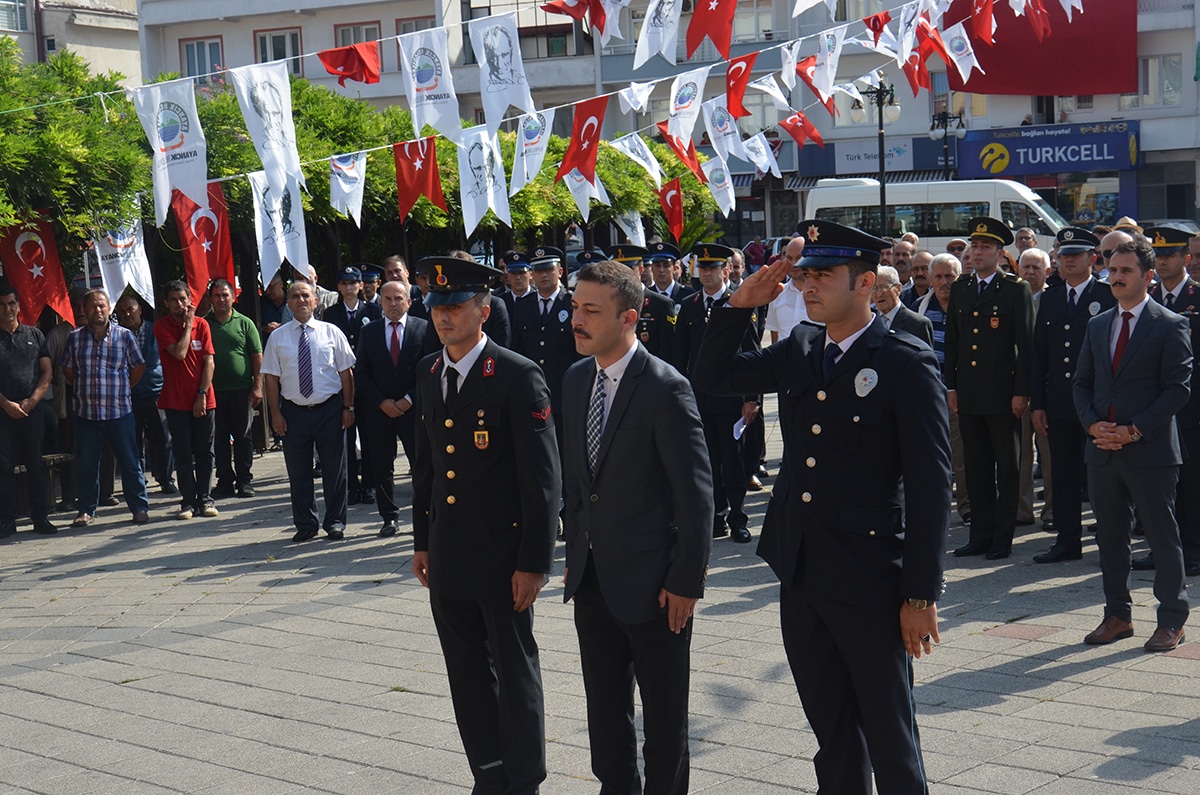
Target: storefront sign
{"x":1048,"y":149}
{"x":859,"y":157}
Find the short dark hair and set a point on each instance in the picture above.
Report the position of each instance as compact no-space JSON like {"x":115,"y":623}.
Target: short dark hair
{"x":8,"y":289}
{"x":394,"y":258}
{"x":629,"y":290}
{"x":175,"y":285}
{"x":1143,"y":250}
{"x":460,"y":254}
{"x":220,"y":283}
{"x":860,"y":266}
{"x":94,"y":292}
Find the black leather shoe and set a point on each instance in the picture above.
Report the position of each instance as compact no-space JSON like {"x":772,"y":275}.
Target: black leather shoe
{"x":388,"y":529}
{"x":741,"y":535}
{"x":970,"y":550}
{"x":246,"y":490}
{"x":223,"y":491}
{"x":762,"y":472}
{"x":1191,"y":567}
{"x":1024,"y":522}
{"x":997,"y":554}
{"x":304,"y":535}
{"x":1144,"y":563}
{"x":367,"y":497}
{"x":1057,"y":554}
{"x":719,"y":528}
{"x":336,"y":533}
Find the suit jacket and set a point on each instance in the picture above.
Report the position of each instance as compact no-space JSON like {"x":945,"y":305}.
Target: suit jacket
{"x":689,"y":331}
{"x":919,"y":326}
{"x":989,"y":342}
{"x":647,"y":512}
{"x":496,"y":326}
{"x":909,"y":296}
{"x":1148,"y":389}
{"x":510,"y":300}
{"x":375,"y":377}
{"x":1188,"y":305}
{"x":1057,"y":342}
{"x":549,"y":342}
{"x":486,"y":477}
{"x":832,"y":505}
{"x":364,"y":314}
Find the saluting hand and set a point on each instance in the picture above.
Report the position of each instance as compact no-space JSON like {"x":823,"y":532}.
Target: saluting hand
{"x":761,"y":287}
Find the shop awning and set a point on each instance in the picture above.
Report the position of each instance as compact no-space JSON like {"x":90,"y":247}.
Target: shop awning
{"x":893,"y":177}
{"x":742,"y":180}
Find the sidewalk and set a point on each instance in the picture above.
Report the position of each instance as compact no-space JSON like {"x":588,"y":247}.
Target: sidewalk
{"x":215,"y":656}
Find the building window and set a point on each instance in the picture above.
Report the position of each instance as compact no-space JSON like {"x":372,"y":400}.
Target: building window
{"x":1162,"y":81}
{"x":1084,"y":102}
{"x":413,"y":25}
{"x":51,"y":45}
{"x":480,"y":116}
{"x":345,"y":35}
{"x":556,"y":46}
{"x":14,"y":14}
{"x":850,"y":10}
{"x":277,"y":45}
{"x":971,"y":105}
{"x":201,"y":57}
{"x":757,"y":102}
{"x":656,"y":111}
{"x":753,"y":21}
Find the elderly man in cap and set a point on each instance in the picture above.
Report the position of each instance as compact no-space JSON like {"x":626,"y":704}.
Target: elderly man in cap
{"x":486,"y":488}
{"x":656,"y":321}
{"x":858,"y":586}
{"x":719,"y":413}
{"x":1062,"y":318}
{"x":372,"y":278}
{"x":662,"y":258}
{"x":989,"y":341}
{"x":520,"y":280}
{"x":349,"y":315}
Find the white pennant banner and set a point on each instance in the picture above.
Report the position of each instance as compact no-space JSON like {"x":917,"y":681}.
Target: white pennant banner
{"x":804,"y":5}
{"x":829,"y":52}
{"x":635,"y":97}
{"x":758,"y":152}
{"x":958,"y":44}
{"x":611,"y":29}
{"x":533,"y":136}
{"x":481,"y":178}
{"x":660,"y":32}
{"x":428,"y":83}
{"x":265,"y":95}
{"x":347,"y":178}
{"x":1070,"y":6}
{"x":723,"y":131}
{"x":888,"y":47}
{"x":850,"y":90}
{"x":501,"y":71}
{"x":767,"y":85}
{"x":907,"y":35}
{"x":168,"y":115}
{"x":719,"y":185}
{"x":278,"y":226}
{"x":634,"y":147}
{"x":583,"y":192}
{"x":123,"y":263}
{"x":787,"y":72}
{"x":687,"y":93}
{"x":631,"y":224}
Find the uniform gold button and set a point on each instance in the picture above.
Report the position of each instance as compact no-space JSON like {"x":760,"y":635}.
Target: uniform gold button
{"x":806,"y":497}
{"x":450,"y":500}
{"x":1067,"y":360}
{"x":974,"y":347}
{"x":870,"y":532}
{"x":450,"y":448}
{"x":816,"y":429}
{"x":856,"y":418}
{"x":449,"y":423}
{"x":541,"y":361}
{"x":974,"y":331}
{"x":542,"y":344}
{"x":812,"y":462}
{"x":1066,"y":345}
{"x":595,"y":498}
{"x":973,"y":364}
{"x":976,"y":314}
{"x":821,"y":395}
{"x":1067,"y":327}
{"x":450,"y":475}
{"x":516,"y":525}
{"x":1068,"y":375}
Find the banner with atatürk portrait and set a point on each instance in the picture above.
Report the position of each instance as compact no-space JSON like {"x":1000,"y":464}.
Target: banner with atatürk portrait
{"x":501,"y":71}
{"x":278,"y":226}
{"x":265,"y":94}
{"x":481,"y":177}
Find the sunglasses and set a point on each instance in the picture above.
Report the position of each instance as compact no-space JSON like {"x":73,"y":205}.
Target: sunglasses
{"x":953,"y":249}
{"x":1108,"y":253}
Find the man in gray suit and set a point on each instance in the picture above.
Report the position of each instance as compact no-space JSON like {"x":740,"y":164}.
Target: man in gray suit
{"x":895,"y":314}
{"x":639,"y":507}
{"x":1132,"y":378}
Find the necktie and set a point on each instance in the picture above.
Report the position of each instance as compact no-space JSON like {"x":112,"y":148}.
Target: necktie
{"x":595,"y":420}
{"x":982,"y":286}
{"x":350,"y":313}
{"x":832,"y":351}
{"x":1170,"y":300}
{"x":451,"y":386}
{"x":1122,"y":341}
{"x":708,"y":302}
{"x":1071,"y":301}
{"x":304,"y":363}
{"x":395,"y":342}
{"x":545,"y":307}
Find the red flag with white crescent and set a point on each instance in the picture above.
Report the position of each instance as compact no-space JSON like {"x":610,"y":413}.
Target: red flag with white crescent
{"x":801,"y":128}
{"x":876,"y":23}
{"x":804,"y":69}
{"x":982,"y":18}
{"x":572,"y":8}
{"x":204,"y":235}
{"x":684,"y":150}
{"x":737,"y":77}
{"x":1039,"y":18}
{"x":358,"y":62}
{"x":417,"y":174}
{"x":714,"y":19}
{"x":929,"y":41}
{"x":31,"y":264}
{"x":672,"y":205}
{"x":585,"y":139}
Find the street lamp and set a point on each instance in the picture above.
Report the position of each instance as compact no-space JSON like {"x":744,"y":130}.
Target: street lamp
{"x":887,"y":109}
{"x":940,"y":131}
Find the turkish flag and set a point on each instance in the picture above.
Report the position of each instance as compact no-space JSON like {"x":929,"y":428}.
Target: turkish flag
{"x":671,"y":200}
{"x":585,"y":139}
{"x":417,"y":174}
{"x":204,"y":235}
{"x":929,"y":41}
{"x":684,"y":150}
{"x":572,"y":8}
{"x":712,"y":18}
{"x":31,"y":264}
{"x":801,"y":128}
{"x":804,"y":69}
{"x":877,"y":22}
{"x":358,"y":62}
{"x":1038,"y":18}
{"x":982,"y":18}
{"x":1018,"y":64}
{"x":737,"y":77}
{"x":917,"y":73}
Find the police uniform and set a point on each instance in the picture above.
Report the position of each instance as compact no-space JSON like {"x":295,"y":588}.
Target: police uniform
{"x":656,"y":323}
{"x":1062,"y":319}
{"x":486,"y":486}
{"x":665,"y":251}
{"x":989,"y":341}
{"x":833,"y":532}
{"x":515,"y":262}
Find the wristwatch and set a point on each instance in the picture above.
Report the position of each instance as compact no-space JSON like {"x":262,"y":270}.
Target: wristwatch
{"x":919,"y":604}
{"x":201,"y":391}
{"x":1134,"y":434}
{"x":348,"y":408}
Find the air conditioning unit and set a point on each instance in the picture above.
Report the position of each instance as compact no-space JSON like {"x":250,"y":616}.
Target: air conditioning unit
{"x":687,"y":6}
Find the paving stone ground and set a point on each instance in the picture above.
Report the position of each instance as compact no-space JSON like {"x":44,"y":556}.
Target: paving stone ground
{"x":214,"y":656}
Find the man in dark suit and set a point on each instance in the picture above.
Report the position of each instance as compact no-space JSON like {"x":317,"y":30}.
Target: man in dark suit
{"x":893,"y":311}
{"x":657,"y":321}
{"x":1181,"y":294}
{"x":719,"y":412}
{"x":1132,"y":379}
{"x":486,"y":488}
{"x":1062,"y":318}
{"x":385,"y":376}
{"x":350,"y":314}
{"x":636,"y":522}
{"x":520,"y":283}
{"x":857,"y":585}
{"x":989,"y":340}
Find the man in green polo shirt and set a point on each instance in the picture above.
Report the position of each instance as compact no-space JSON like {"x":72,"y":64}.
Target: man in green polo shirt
{"x":238,"y":386}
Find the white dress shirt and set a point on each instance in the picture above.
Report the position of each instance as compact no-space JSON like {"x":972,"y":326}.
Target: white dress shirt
{"x":1118,"y":320}
{"x":612,"y":380}
{"x":330,"y":355}
{"x":786,"y":311}
{"x":463,"y":365}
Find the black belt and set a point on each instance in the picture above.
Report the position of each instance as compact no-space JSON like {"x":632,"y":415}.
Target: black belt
{"x":314,"y":406}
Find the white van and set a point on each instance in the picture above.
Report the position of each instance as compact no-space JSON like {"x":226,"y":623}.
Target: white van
{"x":937,"y":212}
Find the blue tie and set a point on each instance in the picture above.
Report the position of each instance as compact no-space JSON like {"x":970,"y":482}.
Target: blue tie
{"x":304,"y":364}
{"x":832,"y":351}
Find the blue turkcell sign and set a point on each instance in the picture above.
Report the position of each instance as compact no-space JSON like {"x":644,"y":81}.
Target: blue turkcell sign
{"x":1049,"y":149}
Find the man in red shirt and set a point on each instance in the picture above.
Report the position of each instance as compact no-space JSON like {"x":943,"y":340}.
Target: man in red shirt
{"x":185,"y":344}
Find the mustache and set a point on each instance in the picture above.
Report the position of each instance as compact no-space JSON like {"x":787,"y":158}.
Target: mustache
{"x":578,"y":332}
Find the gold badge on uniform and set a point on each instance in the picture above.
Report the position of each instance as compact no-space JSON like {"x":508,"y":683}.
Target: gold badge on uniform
{"x":481,"y":440}
{"x":995,"y":322}
{"x":645,"y":336}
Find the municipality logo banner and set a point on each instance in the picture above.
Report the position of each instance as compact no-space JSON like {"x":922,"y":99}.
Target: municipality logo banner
{"x":428,"y":83}
{"x":167,"y":112}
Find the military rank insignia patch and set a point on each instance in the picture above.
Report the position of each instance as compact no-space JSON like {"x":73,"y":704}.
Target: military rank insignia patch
{"x":436,"y":364}
{"x":481,"y":440}
{"x":542,"y":418}
{"x":489,"y":370}
{"x":995,"y":322}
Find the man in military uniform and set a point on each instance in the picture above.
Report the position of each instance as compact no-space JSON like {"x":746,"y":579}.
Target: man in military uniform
{"x":656,"y":323}
{"x":1177,"y":291}
{"x":662,"y":258}
{"x":989,"y":340}
{"x":486,"y":486}
{"x":857,"y":585}
{"x":719,"y":413}
{"x":520,"y":283}
{"x":1062,"y":319}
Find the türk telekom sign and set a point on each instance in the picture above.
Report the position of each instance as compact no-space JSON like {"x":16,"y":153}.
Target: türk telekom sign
{"x":1051,"y":148}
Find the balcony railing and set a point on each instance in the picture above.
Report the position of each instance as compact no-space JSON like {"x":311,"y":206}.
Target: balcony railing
{"x":1164,"y":6}
{"x":705,"y":53}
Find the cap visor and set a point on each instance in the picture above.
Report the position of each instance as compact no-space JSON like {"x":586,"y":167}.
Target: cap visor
{"x":821,"y":263}
{"x":434,"y":298}
{"x":1075,"y":249}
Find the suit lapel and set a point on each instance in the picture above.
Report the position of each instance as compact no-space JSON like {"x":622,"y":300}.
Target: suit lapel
{"x":621,"y":401}
{"x":474,"y":383}
{"x":1142,"y":329}
{"x":860,"y":352}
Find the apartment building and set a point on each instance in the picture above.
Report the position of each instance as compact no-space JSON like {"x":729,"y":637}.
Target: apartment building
{"x":102,"y":32}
